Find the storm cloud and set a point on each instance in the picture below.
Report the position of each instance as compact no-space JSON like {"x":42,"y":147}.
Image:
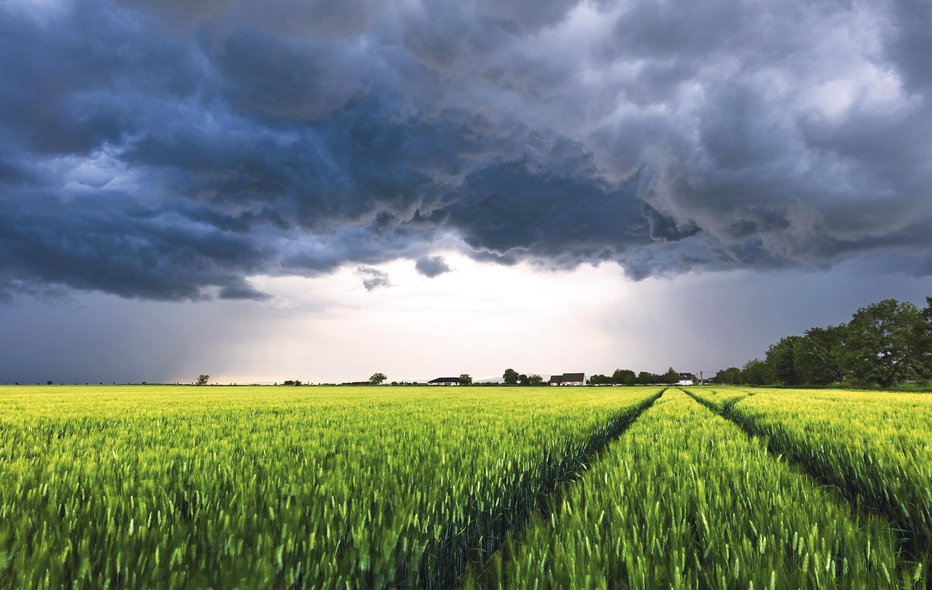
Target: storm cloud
{"x":171,"y":150}
{"x":431,"y":266}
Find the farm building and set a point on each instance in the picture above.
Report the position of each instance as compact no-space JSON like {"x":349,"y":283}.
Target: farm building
{"x":686,"y":379}
{"x":444,"y":381}
{"x":568,"y":379}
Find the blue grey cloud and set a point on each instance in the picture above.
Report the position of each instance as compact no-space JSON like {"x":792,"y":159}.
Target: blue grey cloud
{"x":373,"y":278}
{"x":170,"y":150}
{"x":431,"y":266}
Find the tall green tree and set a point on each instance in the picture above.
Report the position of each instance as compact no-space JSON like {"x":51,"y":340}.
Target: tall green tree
{"x":648,"y":378}
{"x":729,"y":376}
{"x":923,"y":342}
{"x":624,"y":377}
{"x":817,"y":355}
{"x":599,"y":380}
{"x":757,"y":372}
{"x":377,"y":378}
{"x":671,"y":376}
{"x":510,"y":377}
{"x":781,"y":361}
{"x":882,"y":343}
{"x":465,"y":379}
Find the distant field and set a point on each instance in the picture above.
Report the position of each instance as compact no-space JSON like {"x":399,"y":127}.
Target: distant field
{"x":324,"y":487}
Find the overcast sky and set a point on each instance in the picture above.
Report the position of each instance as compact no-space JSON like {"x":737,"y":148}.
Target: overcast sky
{"x":322,"y":190}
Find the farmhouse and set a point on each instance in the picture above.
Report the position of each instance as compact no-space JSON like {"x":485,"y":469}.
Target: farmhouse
{"x":444,"y":381}
{"x":686,"y":379}
{"x":573,"y":379}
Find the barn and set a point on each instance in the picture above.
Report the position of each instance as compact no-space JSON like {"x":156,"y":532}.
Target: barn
{"x":572,"y":379}
{"x":444,"y":381}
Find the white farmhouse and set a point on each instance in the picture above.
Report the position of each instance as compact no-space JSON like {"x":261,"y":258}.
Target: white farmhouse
{"x":573,"y":379}
{"x":686,"y":379}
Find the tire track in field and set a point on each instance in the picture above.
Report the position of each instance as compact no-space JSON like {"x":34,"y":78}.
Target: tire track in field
{"x":549,"y":497}
{"x":915,"y":549}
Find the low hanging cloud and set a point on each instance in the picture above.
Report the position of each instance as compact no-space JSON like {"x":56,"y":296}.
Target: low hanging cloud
{"x":431,"y":266}
{"x":373,"y":278}
{"x":223,"y":141}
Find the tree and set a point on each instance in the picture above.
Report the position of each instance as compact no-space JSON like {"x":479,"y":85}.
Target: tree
{"x":817,"y":355}
{"x":202,"y":380}
{"x":465,"y":379}
{"x":624,"y":377}
{"x":811,"y":362}
{"x":757,"y":372}
{"x":522,"y":379}
{"x":535,"y":380}
{"x":781,"y":361}
{"x":881,"y":343}
{"x":510,"y":377}
{"x":377,"y":378}
{"x":729,"y":376}
{"x":599,"y":380}
{"x":671,"y":376}
{"x":648,"y":378}
{"x":923,"y":342}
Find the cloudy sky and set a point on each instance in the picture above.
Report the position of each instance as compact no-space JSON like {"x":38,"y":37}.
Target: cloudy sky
{"x":321,"y":190}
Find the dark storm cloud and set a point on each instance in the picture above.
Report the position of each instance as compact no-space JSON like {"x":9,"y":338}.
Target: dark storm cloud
{"x":170,"y":150}
{"x":123,"y":249}
{"x":431,"y":266}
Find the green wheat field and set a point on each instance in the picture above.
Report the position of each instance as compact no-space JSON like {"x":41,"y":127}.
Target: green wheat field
{"x":495,"y":487}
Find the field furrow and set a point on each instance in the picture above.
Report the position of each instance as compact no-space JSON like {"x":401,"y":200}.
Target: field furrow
{"x":684,"y":499}
{"x":875,"y":448}
{"x":282,"y":487}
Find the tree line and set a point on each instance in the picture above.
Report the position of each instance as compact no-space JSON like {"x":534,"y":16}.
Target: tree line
{"x":512,"y":377}
{"x":884,"y":344}
{"x":619,"y":377}
{"x":629,"y":377}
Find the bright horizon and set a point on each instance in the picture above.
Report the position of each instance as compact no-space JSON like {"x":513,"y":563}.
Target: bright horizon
{"x":479,"y":319}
